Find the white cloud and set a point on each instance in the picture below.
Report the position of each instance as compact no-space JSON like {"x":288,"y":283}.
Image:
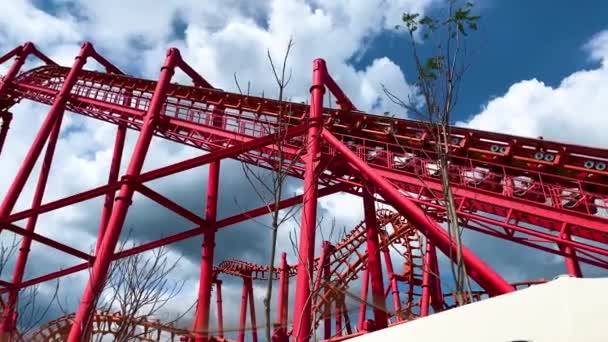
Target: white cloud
{"x":574,"y":111}
{"x":220,"y":38}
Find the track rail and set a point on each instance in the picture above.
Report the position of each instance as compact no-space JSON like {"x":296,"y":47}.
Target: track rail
{"x":498,"y":179}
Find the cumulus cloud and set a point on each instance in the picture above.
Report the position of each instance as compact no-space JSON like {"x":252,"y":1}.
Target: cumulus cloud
{"x":218,"y":38}
{"x":574,"y":111}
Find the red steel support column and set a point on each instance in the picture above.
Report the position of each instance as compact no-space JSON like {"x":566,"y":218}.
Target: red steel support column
{"x":427,"y":268}
{"x":243,"y":317}
{"x":108,"y":204}
{"x":479,"y":271}
{"x":374,"y":265}
{"x":47,"y":125}
{"x":324,"y":275}
{"x":8,"y":324}
{"x":220,"y":310}
{"x":201,"y":323}
{"x":394,"y":286}
{"x":6,"y":123}
{"x":302,"y":307}
{"x":436,"y":292}
{"x":363,"y":304}
{"x":283,"y":292}
{"x":254,"y":328}
{"x":572,"y":265}
{"x":119,"y":213}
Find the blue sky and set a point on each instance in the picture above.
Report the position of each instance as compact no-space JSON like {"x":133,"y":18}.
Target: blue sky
{"x":517,"y":40}
{"x":541,"y":68}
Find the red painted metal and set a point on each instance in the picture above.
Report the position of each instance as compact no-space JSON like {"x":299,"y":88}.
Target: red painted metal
{"x":201,"y":322}
{"x":302,"y":321}
{"x":56,"y":110}
{"x":544,"y":195}
{"x":374,"y":265}
{"x":254,"y":330}
{"x":243,"y":316}
{"x":426,"y":282}
{"x":108,"y":204}
{"x":220,"y":309}
{"x":8,"y":325}
{"x":572,"y":265}
{"x":478,"y":270}
{"x":6,"y":123}
{"x":394,"y":287}
{"x":283,"y":296}
{"x":119,"y":212}
{"x":364,"y":293}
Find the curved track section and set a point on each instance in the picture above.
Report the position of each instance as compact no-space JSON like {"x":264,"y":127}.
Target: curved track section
{"x":109,"y":325}
{"x":349,"y":259}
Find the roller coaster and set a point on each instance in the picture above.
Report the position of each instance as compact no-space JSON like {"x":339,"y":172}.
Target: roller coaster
{"x":545,"y":195}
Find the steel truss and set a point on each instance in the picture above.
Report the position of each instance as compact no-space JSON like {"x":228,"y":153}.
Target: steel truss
{"x":545,"y":195}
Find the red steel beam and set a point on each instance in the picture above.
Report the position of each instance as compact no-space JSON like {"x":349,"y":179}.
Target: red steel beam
{"x":108,"y":203}
{"x":201,"y":321}
{"x":572,"y":265}
{"x":306,"y":248}
{"x":8,"y":324}
{"x":220,"y":310}
{"x":36,"y":147}
{"x":479,"y":271}
{"x":61,"y":203}
{"x":169,"y":204}
{"x":425,"y":298}
{"x":243,"y":314}
{"x":283,"y":296}
{"x":254,"y":329}
{"x":119,"y":212}
{"x":363,"y":303}
{"x":173,"y":238}
{"x":228,"y":152}
{"x":394,"y":286}
{"x":6,"y":123}
{"x":374,"y":264}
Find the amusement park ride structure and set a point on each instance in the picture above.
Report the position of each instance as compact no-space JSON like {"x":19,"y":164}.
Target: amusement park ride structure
{"x":541,"y":194}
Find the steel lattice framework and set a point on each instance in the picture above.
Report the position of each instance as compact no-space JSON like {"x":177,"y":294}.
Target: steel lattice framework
{"x":541,"y":194}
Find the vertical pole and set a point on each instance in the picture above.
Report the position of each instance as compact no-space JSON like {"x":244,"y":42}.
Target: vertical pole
{"x":6,"y":123}
{"x":393,"y":280}
{"x":427,"y":269}
{"x":201,"y":324}
{"x":119,"y":143}
{"x":283,"y":292}
{"x":220,"y":311}
{"x":123,"y":201}
{"x":374,"y":264}
{"x":436,"y":293}
{"x":47,"y":125}
{"x":243,"y":317}
{"x":302,"y":307}
{"x":363,"y":304}
{"x":254,"y":328}
{"x":324,"y":274}
{"x":8,"y":324}
{"x":572,"y":266}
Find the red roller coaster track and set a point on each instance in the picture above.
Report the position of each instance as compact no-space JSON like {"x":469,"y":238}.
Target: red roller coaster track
{"x":541,"y":194}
